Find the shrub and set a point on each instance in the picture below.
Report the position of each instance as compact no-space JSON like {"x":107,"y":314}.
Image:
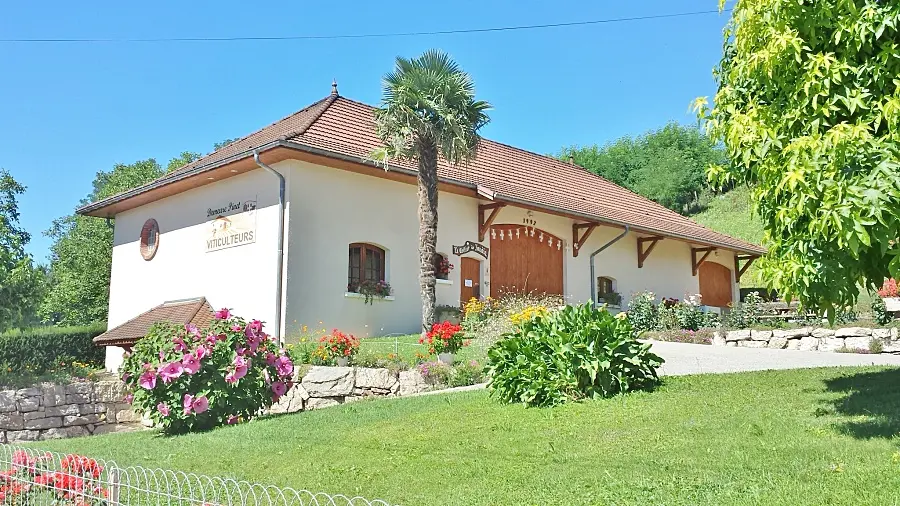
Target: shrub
{"x":459,"y":375}
{"x":337,"y":345}
{"x":574,"y":353}
{"x":187,"y":379}
{"x":643,"y":313}
{"x":879,"y":311}
{"x":745,"y":314}
{"x":42,"y":350}
{"x":477,"y":311}
{"x":494,"y":318}
{"x":443,"y":338}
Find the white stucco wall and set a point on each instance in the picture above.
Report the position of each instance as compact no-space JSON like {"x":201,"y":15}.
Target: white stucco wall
{"x":240,"y":277}
{"x":327,"y":209}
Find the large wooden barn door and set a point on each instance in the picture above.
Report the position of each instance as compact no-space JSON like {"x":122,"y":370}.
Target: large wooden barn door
{"x":525,"y":260}
{"x":715,"y":284}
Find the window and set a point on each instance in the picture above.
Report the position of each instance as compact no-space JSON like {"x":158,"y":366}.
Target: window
{"x":604,"y":286}
{"x":366,"y":263}
{"x":606,"y":291}
{"x":149,"y":239}
{"x":442,"y":266}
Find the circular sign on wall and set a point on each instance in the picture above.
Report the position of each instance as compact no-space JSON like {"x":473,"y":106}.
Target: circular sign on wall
{"x":149,"y":239}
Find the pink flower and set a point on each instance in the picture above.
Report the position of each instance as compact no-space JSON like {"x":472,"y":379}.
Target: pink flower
{"x":188,"y":403}
{"x":267,"y":377}
{"x":171,"y":371}
{"x":192,"y":330}
{"x":223,"y":314}
{"x":233,"y":419}
{"x":240,"y":369}
{"x":201,"y":352}
{"x":162,"y":356}
{"x":284,"y":366}
{"x":180,"y":347}
{"x":129,"y":399}
{"x":200,"y":405}
{"x":190,"y":364}
{"x":254,"y":343}
{"x":236,"y":327}
{"x":148,"y":380}
{"x":163,"y":409}
{"x":211,"y":339}
{"x":279,"y":389}
{"x":270,"y":359}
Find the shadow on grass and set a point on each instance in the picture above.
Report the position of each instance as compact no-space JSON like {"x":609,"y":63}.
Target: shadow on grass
{"x":874,"y":395}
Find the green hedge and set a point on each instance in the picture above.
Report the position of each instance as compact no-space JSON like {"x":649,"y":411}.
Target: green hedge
{"x":41,"y":349}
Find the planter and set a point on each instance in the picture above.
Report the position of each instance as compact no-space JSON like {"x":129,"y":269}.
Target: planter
{"x":446,"y":358}
{"x":343,"y":361}
{"x":892,"y":304}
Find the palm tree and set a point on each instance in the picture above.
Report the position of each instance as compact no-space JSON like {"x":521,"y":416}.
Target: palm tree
{"x":429,"y":109}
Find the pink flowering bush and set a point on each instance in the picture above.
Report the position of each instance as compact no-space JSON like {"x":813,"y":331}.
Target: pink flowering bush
{"x":187,"y":379}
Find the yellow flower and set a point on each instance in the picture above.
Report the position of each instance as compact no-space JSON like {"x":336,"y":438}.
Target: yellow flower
{"x":621,"y":316}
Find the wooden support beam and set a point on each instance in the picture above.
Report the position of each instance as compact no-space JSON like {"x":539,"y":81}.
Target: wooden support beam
{"x":695,"y":264}
{"x":484,"y":224}
{"x":578,"y":239}
{"x":738,"y":270}
{"x":644,"y":253}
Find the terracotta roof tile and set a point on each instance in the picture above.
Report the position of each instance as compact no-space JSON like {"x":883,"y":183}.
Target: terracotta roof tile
{"x":196,"y":311}
{"x":345,"y":127}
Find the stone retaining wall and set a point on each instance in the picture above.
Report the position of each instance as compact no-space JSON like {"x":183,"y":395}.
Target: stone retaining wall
{"x":322,"y":386}
{"x":811,"y":339}
{"x":50,"y":411}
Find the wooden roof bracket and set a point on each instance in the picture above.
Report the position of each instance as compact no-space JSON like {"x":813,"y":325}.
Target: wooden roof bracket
{"x":644,"y":253}
{"x":738,"y":270}
{"x":484,"y":224}
{"x":578,"y":239}
{"x":695,"y":264}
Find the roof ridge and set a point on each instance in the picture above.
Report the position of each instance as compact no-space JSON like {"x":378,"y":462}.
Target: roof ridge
{"x":331,"y":99}
{"x":200,"y":303}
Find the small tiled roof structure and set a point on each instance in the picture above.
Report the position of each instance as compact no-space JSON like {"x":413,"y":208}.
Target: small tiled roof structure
{"x":180,"y":312}
{"x":344,"y":129}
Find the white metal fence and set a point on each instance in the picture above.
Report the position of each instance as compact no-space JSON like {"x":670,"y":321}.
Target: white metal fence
{"x":34,"y":477}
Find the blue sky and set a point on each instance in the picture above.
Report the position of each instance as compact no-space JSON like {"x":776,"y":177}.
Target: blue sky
{"x":70,"y":110}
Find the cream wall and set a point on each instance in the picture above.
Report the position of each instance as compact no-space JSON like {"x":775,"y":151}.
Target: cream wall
{"x":240,"y":277}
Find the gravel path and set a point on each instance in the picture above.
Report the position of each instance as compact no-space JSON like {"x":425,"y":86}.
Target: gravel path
{"x":701,"y":359}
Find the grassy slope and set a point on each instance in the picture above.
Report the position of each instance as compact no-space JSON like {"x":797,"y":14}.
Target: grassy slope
{"x":821,"y":436}
{"x":732,"y":214}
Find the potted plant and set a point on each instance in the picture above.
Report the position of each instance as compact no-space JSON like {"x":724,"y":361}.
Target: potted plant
{"x":374,"y":289}
{"x":444,"y":340}
{"x":889,"y":293}
{"x":339,"y":347}
{"x":612,"y":299}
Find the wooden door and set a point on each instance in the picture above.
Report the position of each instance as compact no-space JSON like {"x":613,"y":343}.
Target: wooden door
{"x":525,"y":260}
{"x":469,"y":279}
{"x":715,"y":284}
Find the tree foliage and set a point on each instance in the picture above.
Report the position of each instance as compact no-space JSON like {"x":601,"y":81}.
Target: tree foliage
{"x":181,"y":160}
{"x":81,"y":254}
{"x":808,"y":106}
{"x":21,"y":282}
{"x":219,"y":145}
{"x":429,"y":110}
{"x":667,"y":165}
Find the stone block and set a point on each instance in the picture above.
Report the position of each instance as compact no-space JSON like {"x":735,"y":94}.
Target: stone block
{"x":21,"y":436}
{"x":28,"y":392}
{"x":367,"y":377}
{"x":793,"y":344}
{"x":29,"y":404}
{"x":109,"y":391}
{"x":328,"y":381}
{"x":822,"y":332}
{"x":858,"y":342}
{"x":54,"y":395}
{"x":323,"y":402}
{"x":78,"y":398}
{"x":881,"y":333}
{"x":44,"y":423}
{"x":81,"y":420}
{"x":412,"y":382}
{"x":127,"y":416}
{"x":895,"y":333}
{"x":110,"y":428}
{"x":291,"y":402}
{"x":760,"y":335}
{"x":34,"y":415}
{"x":88,"y":409}
{"x":62,"y":410}
{"x":752,"y":344}
{"x":719,"y":338}
{"x":798,"y":333}
{"x":8,"y":401}
{"x":853,"y":332}
{"x":831,"y":344}
{"x":80,"y":388}
{"x":731,"y":335}
{"x":731,"y":344}
{"x":779,"y":343}
{"x":12,"y":421}
{"x":809,"y":343}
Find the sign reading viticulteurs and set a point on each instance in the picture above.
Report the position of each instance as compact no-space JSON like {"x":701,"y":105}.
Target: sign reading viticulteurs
{"x":232,"y":224}
{"x":471,"y":246}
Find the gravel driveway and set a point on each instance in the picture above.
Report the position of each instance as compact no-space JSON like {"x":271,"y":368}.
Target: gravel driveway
{"x":701,"y":359}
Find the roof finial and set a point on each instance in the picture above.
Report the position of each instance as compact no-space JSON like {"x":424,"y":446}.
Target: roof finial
{"x":571,"y":159}
{"x":334,"y":90}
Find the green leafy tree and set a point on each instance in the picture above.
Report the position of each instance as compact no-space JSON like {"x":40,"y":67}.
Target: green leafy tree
{"x":808,"y":106}
{"x":21,"y":282}
{"x":429,"y":110}
{"x":181,"y":160}
{"x":81,"y":254}
{"x":219,"y":145}
{"x":667,"y":165}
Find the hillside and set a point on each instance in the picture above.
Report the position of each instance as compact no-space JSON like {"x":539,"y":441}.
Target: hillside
{"x":732,"y":214}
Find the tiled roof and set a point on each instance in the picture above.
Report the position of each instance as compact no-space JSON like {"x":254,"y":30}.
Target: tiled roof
{"x":180,"y":312}
{"x":342,"y":127}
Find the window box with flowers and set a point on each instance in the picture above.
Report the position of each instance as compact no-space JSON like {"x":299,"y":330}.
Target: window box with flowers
{"x":366,"y":273}
{"x":442,"y":268}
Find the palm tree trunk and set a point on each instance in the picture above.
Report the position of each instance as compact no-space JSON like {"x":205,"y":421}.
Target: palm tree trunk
{"x":428,"y":224}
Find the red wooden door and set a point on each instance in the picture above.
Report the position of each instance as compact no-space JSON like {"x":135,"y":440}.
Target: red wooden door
{"x":715,"y":284}
{"x":525,"y":260}
{"x":469,"y":279}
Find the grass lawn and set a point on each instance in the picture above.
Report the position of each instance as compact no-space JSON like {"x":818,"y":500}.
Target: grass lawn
{"x":406,"y":347}
{"x":816,"y":436}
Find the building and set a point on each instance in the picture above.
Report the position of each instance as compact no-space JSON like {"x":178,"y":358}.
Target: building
{"x":510,"y":220}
